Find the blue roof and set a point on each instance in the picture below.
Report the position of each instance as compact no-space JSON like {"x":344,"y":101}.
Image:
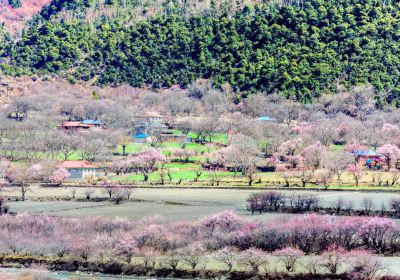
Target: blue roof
{"x":265,"y":118}
{"x":367,"y":153}
{"x":93,"y":122}
{"x":142,"y":135}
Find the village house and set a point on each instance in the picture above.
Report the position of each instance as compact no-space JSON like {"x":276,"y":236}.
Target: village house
{"x":149,"y":122}
{"x":74,"y":125}
{"x":152,"y":122}
{"x":79,"y":169}
{"x":85,"y":124}
{"x":370,"y":158}
{"x":364,"y":155}
{"x":142,"y":137}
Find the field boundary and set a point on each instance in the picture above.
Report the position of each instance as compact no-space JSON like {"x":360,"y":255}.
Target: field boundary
{"x":256,"y":188}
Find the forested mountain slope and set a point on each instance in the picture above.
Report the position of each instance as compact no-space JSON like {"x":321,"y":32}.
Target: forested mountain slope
{"x":297,"y":49}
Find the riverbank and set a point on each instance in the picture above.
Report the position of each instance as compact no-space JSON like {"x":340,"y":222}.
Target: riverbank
{"x":15,"y":273}
{"x":60,"y":271}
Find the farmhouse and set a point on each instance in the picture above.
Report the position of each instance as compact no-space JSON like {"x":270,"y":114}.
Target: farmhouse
{"x":85,"y":124}
{"x":79,"y":169}
{"x":370,"y":158}
{"x":142,"y":137}
{"x":146,"y":128}
{"x":74,"y":125}
{"x":150,"y":122}
{"x":365,"y":155}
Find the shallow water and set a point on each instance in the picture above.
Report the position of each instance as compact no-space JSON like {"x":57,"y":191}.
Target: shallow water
{"x":15,"y":272}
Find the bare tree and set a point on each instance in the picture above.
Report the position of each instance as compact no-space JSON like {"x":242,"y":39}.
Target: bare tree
{"x":338,"y":205}
{"x":157,"y":137}
{"x":73,"y":193}
{"x":65,"y":144}
{"x":192,"y":255}
{"x":19,"y":108}
{"x":305,"y":176}
{"x":336,"y":163}
{"x":227,"y":256}
{"x":205,"y":128}
{"x":23,"y":177}
{"x":364,"y":103}
{"x":89,"y":192}
{"x":124,"y":141}
{"x":367,"y":204}
{"x":393,"y":179}
{"x":325,"y":178}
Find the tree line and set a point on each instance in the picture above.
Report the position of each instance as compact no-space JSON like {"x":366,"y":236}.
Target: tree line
{"x":298,"y":51}
{"x":274,"y":201}
{"x":145,"y":246}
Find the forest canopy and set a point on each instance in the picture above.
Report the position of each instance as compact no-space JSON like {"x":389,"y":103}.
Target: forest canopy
{"x":299,"y":50}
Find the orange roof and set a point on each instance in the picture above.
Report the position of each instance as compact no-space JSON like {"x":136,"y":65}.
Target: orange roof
{"x":153,"y":114}
{"x":70,"y":164}
{"x":75,"y":124}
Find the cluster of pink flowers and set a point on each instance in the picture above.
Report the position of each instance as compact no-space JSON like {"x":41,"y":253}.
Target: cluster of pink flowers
{"x":88,"y":238}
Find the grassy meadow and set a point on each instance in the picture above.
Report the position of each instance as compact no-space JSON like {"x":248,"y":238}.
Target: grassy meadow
{"x":173,"y":204}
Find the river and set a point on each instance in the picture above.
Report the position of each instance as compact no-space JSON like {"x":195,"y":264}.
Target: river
{"x":20,"y":273}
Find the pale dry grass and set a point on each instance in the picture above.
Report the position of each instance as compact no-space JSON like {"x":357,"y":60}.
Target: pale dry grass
{"x":172,"y":204}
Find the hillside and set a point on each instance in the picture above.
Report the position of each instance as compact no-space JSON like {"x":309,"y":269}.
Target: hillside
{"x":16,"y":17}
{"x":299,"y":51}
{"x":134,"y":10}
{"x":16,"y":13}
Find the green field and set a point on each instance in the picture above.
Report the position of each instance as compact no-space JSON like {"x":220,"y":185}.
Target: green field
{"x":176,"y":175}
{"x":136,"y":147}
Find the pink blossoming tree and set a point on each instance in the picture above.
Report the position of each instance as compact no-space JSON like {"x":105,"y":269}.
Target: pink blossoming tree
{"x":23,"y":177}
{"x":59,"y":175}
{"x":145,"y":162}
{"x":390,"y":154}
{"x":289,"y":256}
{"x":356,"y":172}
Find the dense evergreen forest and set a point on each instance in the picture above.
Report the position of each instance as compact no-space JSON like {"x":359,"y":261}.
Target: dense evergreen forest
{"x":296,"y":49}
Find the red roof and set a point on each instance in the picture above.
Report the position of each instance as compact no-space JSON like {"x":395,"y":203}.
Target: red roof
{"x":75,"y":124}
{"x":70,"y":164}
